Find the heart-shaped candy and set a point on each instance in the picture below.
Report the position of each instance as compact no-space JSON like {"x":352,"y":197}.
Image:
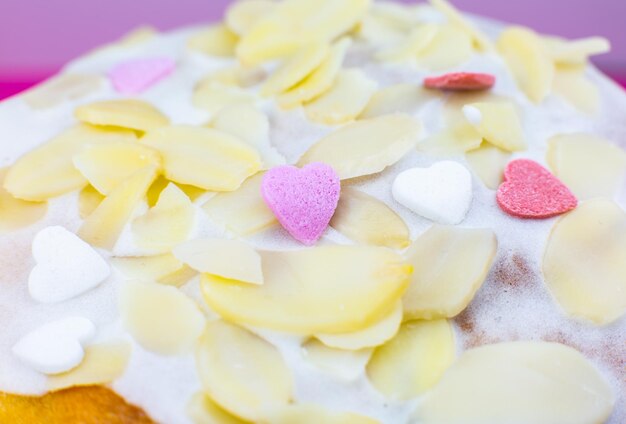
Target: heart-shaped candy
{"x":136,"y":76}
{"x":303,"y":200}
{"x":66,"y":266}
{"x":530,"y":191}
{"x":441,"y":193}
{"x":57,"y":346}
{"x":461,"y":81}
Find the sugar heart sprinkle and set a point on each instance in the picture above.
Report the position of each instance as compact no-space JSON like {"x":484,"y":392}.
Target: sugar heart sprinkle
{"x":303,"y":200}
{"x":461,"y":81}
{"x":136,"y":76}
{"x":530,"y":191}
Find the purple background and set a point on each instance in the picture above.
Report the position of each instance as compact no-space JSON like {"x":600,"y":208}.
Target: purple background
{"x":38,"y":36}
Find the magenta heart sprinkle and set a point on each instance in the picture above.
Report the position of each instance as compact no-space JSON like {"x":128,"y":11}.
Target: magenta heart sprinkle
{"x":303,"y":200}
{"x":136,"y":76}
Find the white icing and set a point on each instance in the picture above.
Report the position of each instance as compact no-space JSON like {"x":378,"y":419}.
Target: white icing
{"x":501,"y":310}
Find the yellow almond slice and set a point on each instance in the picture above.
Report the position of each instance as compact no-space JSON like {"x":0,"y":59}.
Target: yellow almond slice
{"x":448,"y":48}
{"x":314,"y":414}
{"x":243,"y":373}
{"x":103,"y":363}
{"x":590,"y":166}
{"x":320,"y":80}
{"x":103,"y":227}
{"x":236,"y":76}
{"x":296,"y":68}
{"x":576,"y":52}
{"x":161,"y":182}
{"x":488,"y":162}
{"x":167,"y":224}
{"x":347,"y":98}
{"x":518,"y":382}
{"x":345,"y":365}
{"x":451,"y":264}
{"x":216,"y":40}
{"x":242,"y":211}
{"x":366,"y":219}
{"x":16,"y":213}
{"x":456,"y":139}
{"x":295,"y":23}
{"x":126,"y":113}
{"x":48,"y":170}
{"x":498,"y":123}
{"x":575,"y":88}
{"x":384,"y":23}
{"x":241,"y":16}
{"x":417,"y":40}
{"x":529,"y":61}
{"x":585,"y":262}
{"x":215,"y":96}
{"x":62,"y":88}
{"x":414,"y":360}
{"x":160,"y":318}
{"x":203,"y":157}
{"x":366,"y":147}
{"x":230,"y":259}
{"x":147,"y":268}
{"x":249,"y":124}
{"x":480,"y":40}
{"x":105,"y":166}
{"x":88,"y":200}
{"x":399,"y":98}
{"x":375,"y":335}
{"x":315,"y":290}
{"x":201,"y":409}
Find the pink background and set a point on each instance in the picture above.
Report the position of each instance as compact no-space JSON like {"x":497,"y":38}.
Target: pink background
{"x":38,"y":36}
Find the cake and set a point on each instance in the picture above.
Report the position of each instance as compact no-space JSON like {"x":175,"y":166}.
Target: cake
{"x":337,"y":211}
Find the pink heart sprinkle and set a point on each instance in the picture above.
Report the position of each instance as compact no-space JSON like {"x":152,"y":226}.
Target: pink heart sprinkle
{"x":530,"y":191}
{"x":461,"y":81}
{"x":303,"y":200}
{"x":136,"y":76}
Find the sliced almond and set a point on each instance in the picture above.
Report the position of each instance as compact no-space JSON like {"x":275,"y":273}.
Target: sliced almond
{"x":366,"y":219}
{"x":161,"y":182}
{"x":236,"y":76}
{"x":585,"y":262}
{"x":160,"y":318}
{"x":167,"y":224}
{"x":203,"y":157}
{"x":103,"y":363}
{"x":317,"y":290}
{"x":375,"y":335}
{"x":105,"y":166}
{"x":62,"y":88}
{"x":345,"y":101}
{"x":313,"y":414}
{"x":345,"y":365}
{"x":241,"y":16}
{"x":418,"y":39}
{"x":16,"y":213}
{"x":488,"y":162}
{"x":243,"y":373}
{"x":454,"y":140}
{"x":242,"y":211}
{"x":296,"y":68}
{"x":216,"y":40}
{"x":453,"y":263}
{"x":147,"y":268}
{"x":449,"y":47}
{"x":576,"y":52}
{"x":48,"y":171}
{"x":127,"y":113}
{"x":414,"y":360}
{"x":214,"y":96}
{"x":88,"y":200}
{"x":366,"y":147}
{"x":231,"y":259}
{"x":529,"y":61}
{"x":498,"y":123}
{"x":519,"y":382}
{"x":203,"y":410}
{"x":103,"y":227}
{"x":399,"y":98}
{"x":456,"y":18}
{"x":320,"y":80}
{"x":575,"y":88}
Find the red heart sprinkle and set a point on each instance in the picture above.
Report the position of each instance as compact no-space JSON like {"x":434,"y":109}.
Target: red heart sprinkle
{"x":461,"y":81}
{"x":530,"y":191}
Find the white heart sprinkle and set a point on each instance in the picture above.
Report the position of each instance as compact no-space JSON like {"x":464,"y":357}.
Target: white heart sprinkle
{"x":441,"y":193}
{"x":57,"y":346}
{"x":66,"y":266}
